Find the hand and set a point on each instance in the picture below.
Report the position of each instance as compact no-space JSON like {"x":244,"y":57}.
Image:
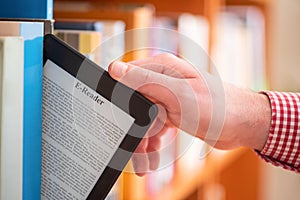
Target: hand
{"x":190,"y":100}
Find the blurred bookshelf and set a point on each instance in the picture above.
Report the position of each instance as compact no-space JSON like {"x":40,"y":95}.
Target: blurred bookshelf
{"x":221,"y":175}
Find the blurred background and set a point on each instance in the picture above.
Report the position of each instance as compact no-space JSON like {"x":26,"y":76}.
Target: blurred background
{"x":252,"y":43}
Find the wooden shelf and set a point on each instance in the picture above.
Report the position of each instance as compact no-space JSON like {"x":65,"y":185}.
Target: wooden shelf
{"x":247,"y":2}
{"x":192,"y":6}
{"x":189,"y":180}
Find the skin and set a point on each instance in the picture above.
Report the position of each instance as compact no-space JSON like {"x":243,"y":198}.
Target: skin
{"x":185,"y":100}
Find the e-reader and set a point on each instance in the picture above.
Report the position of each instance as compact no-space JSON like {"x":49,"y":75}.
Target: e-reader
{"x":92,"y":124}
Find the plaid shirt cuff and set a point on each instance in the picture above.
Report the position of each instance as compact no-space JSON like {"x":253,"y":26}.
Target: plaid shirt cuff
{"x":283,"y":145}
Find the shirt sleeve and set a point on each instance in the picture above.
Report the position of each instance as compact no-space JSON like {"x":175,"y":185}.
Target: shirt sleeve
{"x":283,"y":144}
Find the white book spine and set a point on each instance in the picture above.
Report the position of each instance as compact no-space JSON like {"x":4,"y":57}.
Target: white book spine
{"x":11,"y":121}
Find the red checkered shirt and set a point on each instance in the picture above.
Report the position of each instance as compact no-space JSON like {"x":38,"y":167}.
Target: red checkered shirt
{"x":283,"y":145}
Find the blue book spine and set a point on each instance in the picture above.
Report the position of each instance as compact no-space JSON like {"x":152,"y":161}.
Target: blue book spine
{"x":32,"y":146}
{"x":37,"y":9}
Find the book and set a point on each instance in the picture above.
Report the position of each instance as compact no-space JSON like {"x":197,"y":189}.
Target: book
{"x":86,"y":42}
{"x":164,"y":36}
{"x":240,"y":47}
{"x":193,"y":39}
{"x":112,"y":44}
{"x":11,"y":117}
{"x":34,"y":9}
{"x":32,"y":32}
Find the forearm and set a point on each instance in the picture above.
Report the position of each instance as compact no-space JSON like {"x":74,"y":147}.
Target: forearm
{"x":267,"y":122}
{"x":248,"y":117}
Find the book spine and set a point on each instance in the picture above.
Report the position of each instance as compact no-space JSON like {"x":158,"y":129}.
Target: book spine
{"x":32,"y":152}
{"x":40,"y":9}
{"x":11,"y":117}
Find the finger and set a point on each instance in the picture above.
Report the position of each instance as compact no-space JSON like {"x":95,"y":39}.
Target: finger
{"x":168,"y":64}
{"x":155,"y":146}
{"x":149,"y":83}
{"x":152,"y":150}
{"x":140,"y":159}
{"x":158,"y":123}
{"x":154,"y":159}
{"x":118,"y":70}
{"x":146,"y":156}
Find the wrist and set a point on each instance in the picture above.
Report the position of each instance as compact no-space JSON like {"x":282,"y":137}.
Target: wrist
{"x":266,"y":125}
{"x":261,"y":122}
{"x":248,"y":117}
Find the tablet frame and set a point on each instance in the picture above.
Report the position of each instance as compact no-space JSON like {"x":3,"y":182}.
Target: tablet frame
{"x":140,"y":108}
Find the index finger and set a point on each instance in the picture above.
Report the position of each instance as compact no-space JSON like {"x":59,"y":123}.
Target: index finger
{"x":167,"y":64}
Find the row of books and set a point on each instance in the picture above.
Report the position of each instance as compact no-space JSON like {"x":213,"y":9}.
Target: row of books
{"x":21,"y":64}
{"x":21,"y":67}
{"x":21,"y":60}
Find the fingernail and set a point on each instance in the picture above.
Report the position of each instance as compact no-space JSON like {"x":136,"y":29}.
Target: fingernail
{"x":119,"y":69}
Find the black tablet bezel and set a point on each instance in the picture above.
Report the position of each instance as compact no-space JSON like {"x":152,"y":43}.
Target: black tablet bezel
{"x":140,"y":108}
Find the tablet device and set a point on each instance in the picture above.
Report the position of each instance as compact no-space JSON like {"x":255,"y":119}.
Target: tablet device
{"x":91,"y":125}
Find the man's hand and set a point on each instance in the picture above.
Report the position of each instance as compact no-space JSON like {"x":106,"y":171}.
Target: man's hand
{"x":184,"y":96}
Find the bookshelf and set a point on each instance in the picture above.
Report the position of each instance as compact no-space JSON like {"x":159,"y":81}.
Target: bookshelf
{"x":217,"y":171}
{"x":231,"y":171}
{"x":235,"y":174}
{"x":167,"y":6}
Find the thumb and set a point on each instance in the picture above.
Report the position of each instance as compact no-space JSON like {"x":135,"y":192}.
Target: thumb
{"x":117,"y":69}
{"x":154,"y":85}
